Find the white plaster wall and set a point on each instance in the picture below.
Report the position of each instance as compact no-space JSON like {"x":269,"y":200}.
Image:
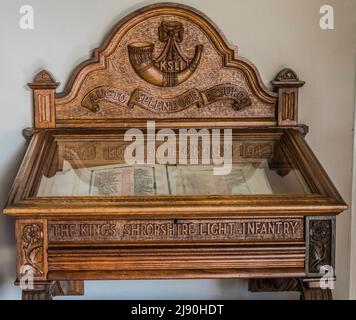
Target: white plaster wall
{"x":271,"y":33}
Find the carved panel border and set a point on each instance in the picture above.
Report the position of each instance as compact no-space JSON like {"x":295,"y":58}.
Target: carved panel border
{"x":32,"y":246}
{"x":320,"y":244}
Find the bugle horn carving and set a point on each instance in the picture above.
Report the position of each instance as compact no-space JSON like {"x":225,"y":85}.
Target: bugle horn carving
{"x":171,"y":68}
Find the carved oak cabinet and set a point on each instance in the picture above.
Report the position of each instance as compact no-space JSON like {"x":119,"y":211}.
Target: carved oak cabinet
{"x":82,"y":213}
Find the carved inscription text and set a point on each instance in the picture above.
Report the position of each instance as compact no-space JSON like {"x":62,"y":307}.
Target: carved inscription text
{"x":256,"y":150}
{"x":166,"y":230}
{"x":145,"y":100}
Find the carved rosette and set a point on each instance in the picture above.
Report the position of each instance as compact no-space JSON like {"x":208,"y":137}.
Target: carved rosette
{"x":44,"y":78}
{"x":320,"y":244}
{"x":32,"y":249}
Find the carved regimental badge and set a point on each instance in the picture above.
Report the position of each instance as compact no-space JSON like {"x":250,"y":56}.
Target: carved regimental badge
{"x":169,"y":69}
{"x":172,"y":67}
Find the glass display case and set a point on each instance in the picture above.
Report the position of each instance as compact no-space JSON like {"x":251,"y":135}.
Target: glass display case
{"x":94,"y":165}
{"x":165,"y":157}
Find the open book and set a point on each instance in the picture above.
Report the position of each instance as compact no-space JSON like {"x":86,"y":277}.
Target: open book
{"x":124,"y":180}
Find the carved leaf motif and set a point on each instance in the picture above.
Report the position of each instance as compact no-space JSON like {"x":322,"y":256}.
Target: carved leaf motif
{"x":32,"y":236}
{"x":35,"y":254}
{"x":320,"y":244}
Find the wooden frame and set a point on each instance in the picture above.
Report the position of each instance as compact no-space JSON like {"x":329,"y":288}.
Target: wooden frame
{"x":131,"y":80}
{"x":23,"y":205}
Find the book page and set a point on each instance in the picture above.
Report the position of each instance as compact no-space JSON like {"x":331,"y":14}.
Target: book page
{"x":62,"y":184}
{"x":243,"y":179}
{"x":149,"y":180}
{"x":129,"y":180}
{"x":110,"y":180}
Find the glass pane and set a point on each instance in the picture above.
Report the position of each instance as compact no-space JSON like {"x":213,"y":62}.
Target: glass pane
{"x":97,"y":167}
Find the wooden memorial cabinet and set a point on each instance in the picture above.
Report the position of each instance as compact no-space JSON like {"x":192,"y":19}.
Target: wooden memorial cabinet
{"x":83,"y":213}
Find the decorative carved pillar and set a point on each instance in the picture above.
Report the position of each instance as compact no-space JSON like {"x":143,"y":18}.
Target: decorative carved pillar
{"x":316,"y":294}
{"x":32,"y":263}
{"x":287,"y":84}
{"x":275,"y":285}
{"x":32,"y":250}
{"x":44,"y":87}
{"x":308,"y":288}
{"x":68,"y":288}
{"x":320,"y":244}
{"x":40,"y":291}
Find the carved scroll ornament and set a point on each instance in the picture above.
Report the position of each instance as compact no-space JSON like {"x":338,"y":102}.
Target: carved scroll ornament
{"x":179,"y":103}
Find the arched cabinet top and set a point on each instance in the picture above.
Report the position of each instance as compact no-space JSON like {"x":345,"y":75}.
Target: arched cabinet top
{"x":165,"y":62}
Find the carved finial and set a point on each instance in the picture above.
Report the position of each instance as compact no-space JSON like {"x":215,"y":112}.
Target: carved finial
{"x":44,"y":87}
{"x":287,"y":84}
{"x":287,"y":76}
{"x":44,"y":79}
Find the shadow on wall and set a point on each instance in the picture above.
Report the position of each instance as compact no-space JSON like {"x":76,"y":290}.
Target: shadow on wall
{"x":175,"y":290}
{"x":7,"y":224}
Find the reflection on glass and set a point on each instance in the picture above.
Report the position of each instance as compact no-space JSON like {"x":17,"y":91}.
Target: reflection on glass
{"x":96,"y":167}
{"x":124,"y":180}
